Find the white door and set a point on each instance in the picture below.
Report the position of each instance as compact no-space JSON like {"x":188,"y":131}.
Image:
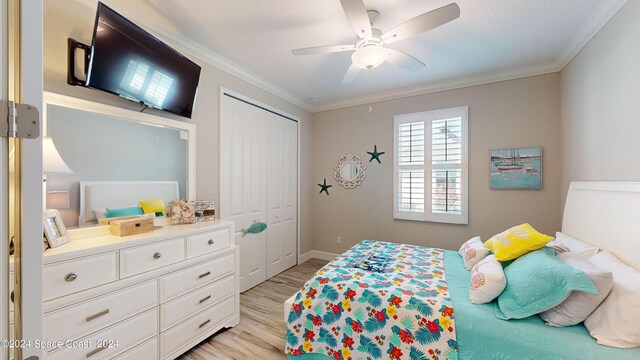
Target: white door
{"x":282,"y":193}
{"x":29,"y":78}
{"x":243,"y":185}
{"x":4,"y":191}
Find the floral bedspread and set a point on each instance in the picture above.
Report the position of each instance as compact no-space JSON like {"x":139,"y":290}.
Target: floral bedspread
{"x":378,"y":300}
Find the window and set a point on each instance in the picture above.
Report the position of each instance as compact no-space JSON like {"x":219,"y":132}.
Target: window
{"x":430,"y":166}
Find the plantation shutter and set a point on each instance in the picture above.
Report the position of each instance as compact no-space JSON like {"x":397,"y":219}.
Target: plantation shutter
{"x":430,"y":180}
{"x":411,"y":186}
{"x":446,"y":162}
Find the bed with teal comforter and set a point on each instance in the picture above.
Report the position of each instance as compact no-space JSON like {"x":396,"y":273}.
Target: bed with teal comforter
{"x":480,"y":335}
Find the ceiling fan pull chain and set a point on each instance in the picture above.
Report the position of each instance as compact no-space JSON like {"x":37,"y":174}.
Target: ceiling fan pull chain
{"x":370,"y":92}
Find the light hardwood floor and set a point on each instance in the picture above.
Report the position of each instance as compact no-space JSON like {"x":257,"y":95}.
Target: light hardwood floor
{"x":260,"y":334}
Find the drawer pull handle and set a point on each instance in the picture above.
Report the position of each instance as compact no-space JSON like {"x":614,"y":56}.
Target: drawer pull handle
{"x":70,"y":277}
{"x":204,"y":323}
{"x":211,"y":241}
{"x":97,"y":350}
{"x":205,"y":274}
{"x":95,"y":316}
{"x":157,"y":256}
{"x":205,"y":299}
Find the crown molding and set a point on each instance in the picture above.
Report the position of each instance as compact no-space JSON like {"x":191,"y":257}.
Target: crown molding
{"x":432,"y":87}
{"x":191,"y":47}
{"x":600,"y":17}
{"x":595,"y":23}
{"x":605,"y":12}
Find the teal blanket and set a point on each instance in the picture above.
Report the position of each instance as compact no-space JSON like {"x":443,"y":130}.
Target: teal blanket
{"x":483,"y":336}
{"x":480,"y":335}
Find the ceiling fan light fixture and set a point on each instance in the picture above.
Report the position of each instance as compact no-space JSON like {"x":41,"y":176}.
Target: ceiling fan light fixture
{"x":369,"y":56}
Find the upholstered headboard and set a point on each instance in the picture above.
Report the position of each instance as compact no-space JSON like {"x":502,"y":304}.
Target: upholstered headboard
{"x":607,"y":215}
{"x":114,"y":194}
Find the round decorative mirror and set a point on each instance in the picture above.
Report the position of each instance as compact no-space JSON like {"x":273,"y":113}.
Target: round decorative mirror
{"x":349,"y":171}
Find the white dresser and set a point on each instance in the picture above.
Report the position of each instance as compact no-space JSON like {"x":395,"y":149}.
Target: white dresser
{"x":149,"y":296}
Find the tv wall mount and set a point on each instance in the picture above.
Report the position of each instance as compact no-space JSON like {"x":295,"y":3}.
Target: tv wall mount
{"x":72,"y":46}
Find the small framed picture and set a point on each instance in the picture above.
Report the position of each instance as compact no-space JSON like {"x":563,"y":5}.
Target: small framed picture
{"x":54,"y":230}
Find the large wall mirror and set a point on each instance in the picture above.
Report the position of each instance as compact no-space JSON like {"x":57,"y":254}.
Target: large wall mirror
{"x":99,"y":142}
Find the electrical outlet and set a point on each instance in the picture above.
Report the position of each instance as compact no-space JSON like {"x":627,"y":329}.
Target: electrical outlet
{"x":339,"y":240}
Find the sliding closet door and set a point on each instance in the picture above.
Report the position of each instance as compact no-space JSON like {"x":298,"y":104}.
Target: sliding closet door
{"x":282,"y":192}
{"x":243,"y":185}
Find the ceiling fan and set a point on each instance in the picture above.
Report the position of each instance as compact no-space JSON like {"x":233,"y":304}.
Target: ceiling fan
{"x":370,"y":49}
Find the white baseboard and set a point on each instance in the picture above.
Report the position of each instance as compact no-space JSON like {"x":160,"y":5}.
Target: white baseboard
{"x":322,"y":255}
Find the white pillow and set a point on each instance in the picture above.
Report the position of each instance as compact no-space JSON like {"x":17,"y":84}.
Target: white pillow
{"x":99,"y":213}
{"x":487,"y":280}
{"x":574,"y":245}
{"x":472,"y":251}
{"x":616,"y":322}
{"x":578,"y":305}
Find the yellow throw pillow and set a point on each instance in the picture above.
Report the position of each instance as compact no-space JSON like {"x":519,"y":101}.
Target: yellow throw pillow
{"x":152,"y":206}
{"x":517,"y":241}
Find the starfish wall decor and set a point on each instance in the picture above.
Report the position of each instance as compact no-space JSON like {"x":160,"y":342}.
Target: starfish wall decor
{"x":324,"y":187}
{"x":375,"y":154}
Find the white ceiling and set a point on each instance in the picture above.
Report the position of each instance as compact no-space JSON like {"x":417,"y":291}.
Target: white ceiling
{"x":492,"y":40}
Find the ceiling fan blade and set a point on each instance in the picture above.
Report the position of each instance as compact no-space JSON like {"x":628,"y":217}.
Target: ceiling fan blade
{"x":422,"y":23}
{"x":322,"y":49}
{"x":358,"y":17}
{"x":403,"y":60}
{"x":351,"y":74}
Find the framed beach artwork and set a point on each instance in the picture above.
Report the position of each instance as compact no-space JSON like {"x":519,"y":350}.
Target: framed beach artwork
{"x":516,"y":168}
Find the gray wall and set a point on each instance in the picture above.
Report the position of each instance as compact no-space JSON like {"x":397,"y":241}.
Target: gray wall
{"x":600,"y":87}
{"x":70,"y":18}
{"x":516,"y":113}
{"x":99,"y":147}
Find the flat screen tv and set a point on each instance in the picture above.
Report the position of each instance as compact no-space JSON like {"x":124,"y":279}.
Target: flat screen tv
{"x":128,"y":61}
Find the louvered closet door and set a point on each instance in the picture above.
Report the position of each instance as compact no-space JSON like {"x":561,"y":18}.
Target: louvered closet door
{"x":282,"y":192}
{"x":243,"y":185}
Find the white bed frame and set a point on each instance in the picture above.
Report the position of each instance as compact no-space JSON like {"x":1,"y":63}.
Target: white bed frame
{"x":607,"y":215}
{"x":114,"y":194}
{"x":604,"y":214}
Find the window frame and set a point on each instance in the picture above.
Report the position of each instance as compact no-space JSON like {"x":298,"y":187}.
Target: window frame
{"x":428,"y":117}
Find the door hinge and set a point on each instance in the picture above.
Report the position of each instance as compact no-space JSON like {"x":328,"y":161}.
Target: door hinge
{"x":19,"y":120}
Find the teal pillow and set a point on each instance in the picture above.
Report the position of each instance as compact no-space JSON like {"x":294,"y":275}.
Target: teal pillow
{"x":537,"y":282}
{"x":128,"y":211}
{"x":546,"y":249}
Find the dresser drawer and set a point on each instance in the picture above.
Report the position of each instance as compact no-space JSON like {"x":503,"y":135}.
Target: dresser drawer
{"x":73,"y":322}
{"x":195,"y":326}
{"x":186,"y":305}
{"x":150,"y":257}
{"x":67,"y":277}
{"x":148,"y":350}
{"x":127,"y":334}
{"x":205,"y":243}
{"x":188,"y":279}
